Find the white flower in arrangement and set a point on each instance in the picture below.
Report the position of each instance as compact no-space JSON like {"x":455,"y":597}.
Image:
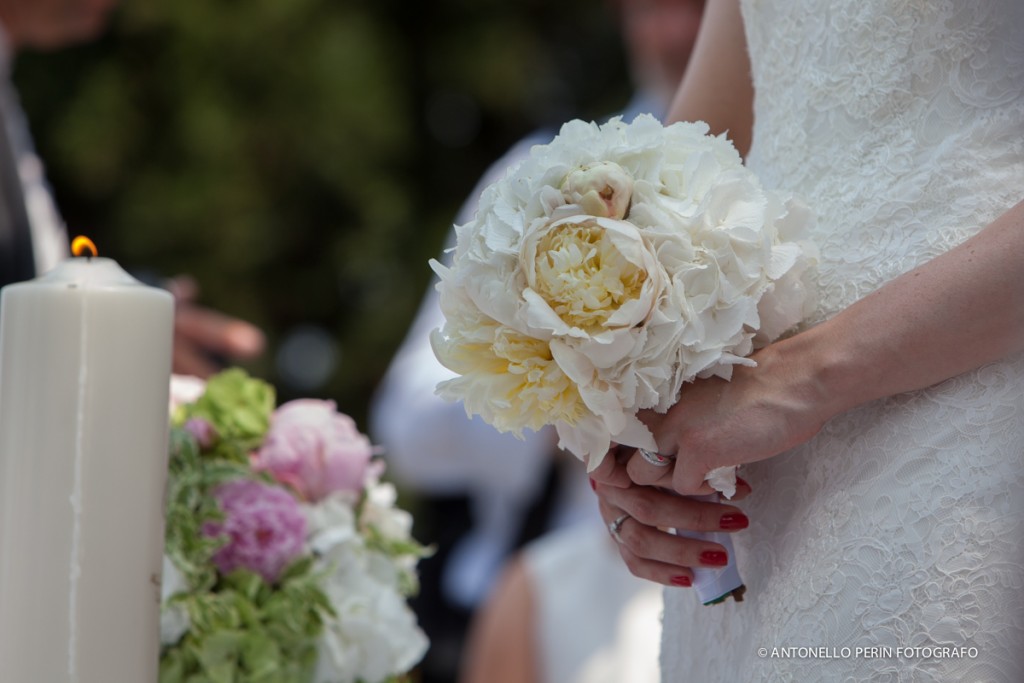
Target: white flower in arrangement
{"x":174,"y":621}
{"x":374,"y":633}
{"x":609,"y":268}
{"x":332,"y":522}
{"x":185,"y":389}
{"x":391,"y":523}
{"x":601,"y":189}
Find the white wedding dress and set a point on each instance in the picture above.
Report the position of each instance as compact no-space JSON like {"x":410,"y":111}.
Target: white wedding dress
{"x":902,"y":523}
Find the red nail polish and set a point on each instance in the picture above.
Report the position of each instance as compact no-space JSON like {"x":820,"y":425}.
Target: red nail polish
{"x":681,"y":580}
{"x":733,"y":521}
{"x":714,"y":558}
{"x":593,"y":484}
{"x":743,"y":482}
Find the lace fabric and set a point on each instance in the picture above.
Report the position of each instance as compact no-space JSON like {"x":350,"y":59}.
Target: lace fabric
{"x":901,"y":524}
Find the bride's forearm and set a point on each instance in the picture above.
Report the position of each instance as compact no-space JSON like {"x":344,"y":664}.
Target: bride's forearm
{"x":955,"y":313}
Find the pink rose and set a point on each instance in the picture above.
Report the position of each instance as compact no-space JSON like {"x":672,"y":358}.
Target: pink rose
{"x":264,"y":525}
{"x":314,"y":449}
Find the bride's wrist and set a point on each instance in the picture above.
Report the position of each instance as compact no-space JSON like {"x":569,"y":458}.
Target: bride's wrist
{"x":818,"y":372}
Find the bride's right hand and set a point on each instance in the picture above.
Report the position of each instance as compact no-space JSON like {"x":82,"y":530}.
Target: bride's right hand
{"x":764,"y":410}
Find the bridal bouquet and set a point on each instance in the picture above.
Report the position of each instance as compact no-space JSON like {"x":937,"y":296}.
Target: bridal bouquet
{"x":609,"y":268}
{"x":286,"y":559}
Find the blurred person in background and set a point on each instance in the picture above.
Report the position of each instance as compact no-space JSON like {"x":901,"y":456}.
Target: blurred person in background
{"x":33,"y":238}
{"x":566,"y":608}
{"x":487,"y":494}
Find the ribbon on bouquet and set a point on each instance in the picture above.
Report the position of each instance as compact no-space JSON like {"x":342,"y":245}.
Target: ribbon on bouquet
{"x":714,"y":585}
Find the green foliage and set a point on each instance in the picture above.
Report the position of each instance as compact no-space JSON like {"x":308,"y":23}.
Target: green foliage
{"x":247,"y":633}
{"x":189,"y":506}
{"x":293,"y":156}
{"x":238,"y":407}
{"x":242,"y":630}
{"x":409,"y":582}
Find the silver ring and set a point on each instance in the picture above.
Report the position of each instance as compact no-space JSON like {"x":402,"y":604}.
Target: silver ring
{"x":656,"y":459}
{"x":616,"y":525}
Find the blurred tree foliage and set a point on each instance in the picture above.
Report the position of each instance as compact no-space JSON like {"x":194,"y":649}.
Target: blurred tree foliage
{"x":304,"y":158}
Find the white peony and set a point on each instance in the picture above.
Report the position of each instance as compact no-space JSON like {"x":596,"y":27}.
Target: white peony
{"x":185,"y":389}
{"x":381,"y":513}
{"x":374,"y":634}
{"x":609,"y":268}
{"x":601,"y":189}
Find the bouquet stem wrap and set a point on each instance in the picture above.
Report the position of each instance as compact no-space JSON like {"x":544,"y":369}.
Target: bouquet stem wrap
{"x":715,"y":585}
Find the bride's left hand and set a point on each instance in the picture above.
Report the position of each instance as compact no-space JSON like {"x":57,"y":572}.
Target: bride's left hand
{"x":644,"y":514}
{"x":762,"y":411}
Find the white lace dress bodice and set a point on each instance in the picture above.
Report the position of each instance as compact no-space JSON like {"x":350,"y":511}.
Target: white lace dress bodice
{"x":901,"y":525}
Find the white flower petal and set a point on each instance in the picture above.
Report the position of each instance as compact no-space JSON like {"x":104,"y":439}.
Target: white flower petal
{"x":723,"y":480}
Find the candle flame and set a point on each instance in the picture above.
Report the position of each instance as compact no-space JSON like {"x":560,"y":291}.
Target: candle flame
{"x":81,"y":244}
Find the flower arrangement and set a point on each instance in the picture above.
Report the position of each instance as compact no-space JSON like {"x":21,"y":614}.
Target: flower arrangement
{"x":609,"y":268}
{"x":286,"y":558}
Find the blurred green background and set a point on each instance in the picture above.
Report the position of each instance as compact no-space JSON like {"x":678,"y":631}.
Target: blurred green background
{"x":304,"y":158}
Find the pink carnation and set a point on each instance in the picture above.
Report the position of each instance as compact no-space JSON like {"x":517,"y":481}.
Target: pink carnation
{"x":265,"y":527}
{"x":315,"y":449}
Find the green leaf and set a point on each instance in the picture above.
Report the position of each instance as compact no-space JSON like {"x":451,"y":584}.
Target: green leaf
{"x":218,"y":655}
{"x":238,"y":407}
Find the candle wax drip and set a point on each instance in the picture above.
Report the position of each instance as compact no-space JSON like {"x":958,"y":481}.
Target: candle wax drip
{"x":75,"y":570}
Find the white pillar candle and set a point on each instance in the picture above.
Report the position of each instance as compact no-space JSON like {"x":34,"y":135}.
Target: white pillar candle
{"x":85,"y":361}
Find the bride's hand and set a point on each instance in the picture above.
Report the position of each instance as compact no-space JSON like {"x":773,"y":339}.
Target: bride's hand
{"x":953,"y":314}
{"x":761,"y":412}
{"x":645,"y":511}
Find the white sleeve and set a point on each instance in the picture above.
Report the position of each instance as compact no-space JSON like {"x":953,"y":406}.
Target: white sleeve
{"x":431,"y":444}
{"x":49,"y":235}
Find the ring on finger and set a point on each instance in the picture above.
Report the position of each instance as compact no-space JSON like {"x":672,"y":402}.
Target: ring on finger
{"x":656,"y":459}
{"x":616,"y":526}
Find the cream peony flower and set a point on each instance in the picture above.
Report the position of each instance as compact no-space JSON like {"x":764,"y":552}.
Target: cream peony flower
{"x":609,"y":268}
{"x":601,"y":189}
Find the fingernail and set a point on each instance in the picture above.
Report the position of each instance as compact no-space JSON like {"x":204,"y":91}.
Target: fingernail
{"x":593,"y":484}
{"x":735,"y":520}
{"x":743,"y":482}
{"x":714,"y":558}
{"x":680,"y":580}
